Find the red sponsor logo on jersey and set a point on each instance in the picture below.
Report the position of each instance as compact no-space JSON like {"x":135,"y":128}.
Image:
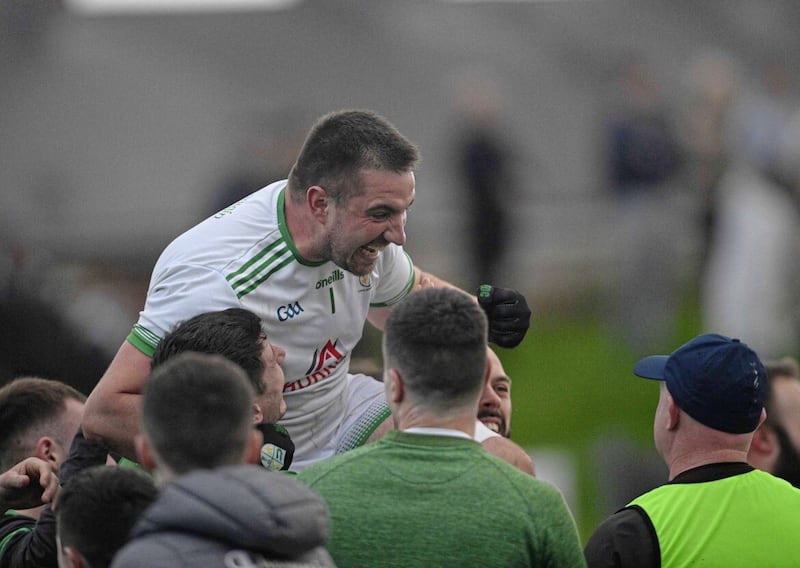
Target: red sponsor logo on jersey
{"x":326,"y":360}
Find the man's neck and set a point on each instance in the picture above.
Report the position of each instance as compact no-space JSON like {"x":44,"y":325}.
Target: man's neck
{"x":464,"y":423}
{"x":691,"y":460}
{"x":300,"y":225}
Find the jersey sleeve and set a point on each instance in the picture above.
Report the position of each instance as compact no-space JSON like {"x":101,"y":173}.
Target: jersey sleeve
{"x":26,"y":543}
{"x":177,"y":294}
{"x":396,"y":277}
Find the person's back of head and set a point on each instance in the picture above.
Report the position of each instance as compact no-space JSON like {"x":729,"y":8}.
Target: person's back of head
{"x":720,"y":385}
{"x":96,"y":510}
{"x":38,"y":417}
{"x":342,"y":143}
{"x":436,"y":340}
{"x":235,"y":333}
{"x":775,"y":444}
{"x":196,"y":414}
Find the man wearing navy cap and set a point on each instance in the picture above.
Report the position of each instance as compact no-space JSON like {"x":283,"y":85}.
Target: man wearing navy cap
{"x":715,"y":510}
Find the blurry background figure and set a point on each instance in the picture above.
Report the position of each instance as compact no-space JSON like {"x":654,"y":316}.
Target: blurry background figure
{"x":265,"y":145}
{"x":484,"y":165}
{"x":776,"y":443}
{"x":642,"y":154}
{"x":710,"y":87}
{"x":750,"y":288}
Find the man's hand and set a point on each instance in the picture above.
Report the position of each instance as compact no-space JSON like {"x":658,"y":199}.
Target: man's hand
{"x":508,"y":313}
{"x":30,"y":483}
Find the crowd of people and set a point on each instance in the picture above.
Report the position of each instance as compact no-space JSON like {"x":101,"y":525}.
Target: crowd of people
{"x":233,"y":393}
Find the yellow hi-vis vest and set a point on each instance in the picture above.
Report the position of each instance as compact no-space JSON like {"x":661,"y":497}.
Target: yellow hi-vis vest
{"x":751,"y":519}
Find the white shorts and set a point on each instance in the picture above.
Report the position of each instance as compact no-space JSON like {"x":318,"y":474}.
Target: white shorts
{"x":365,"y":410}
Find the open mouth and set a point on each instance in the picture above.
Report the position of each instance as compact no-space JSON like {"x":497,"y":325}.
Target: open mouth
{"x":371,"y":252}
{"x":491,"y":424}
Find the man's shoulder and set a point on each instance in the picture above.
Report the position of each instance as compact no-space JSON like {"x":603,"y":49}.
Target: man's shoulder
{"x":340,"y":464}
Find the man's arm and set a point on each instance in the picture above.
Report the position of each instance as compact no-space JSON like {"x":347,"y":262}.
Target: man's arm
{"x":111,"y":415}
{"x":625,"y":539}
{"x":506,"y":309}
{"x":510,"y":452}
{"x":377,"y":316}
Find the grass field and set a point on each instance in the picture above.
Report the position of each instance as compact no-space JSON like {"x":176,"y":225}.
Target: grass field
{"x":573,"y":383}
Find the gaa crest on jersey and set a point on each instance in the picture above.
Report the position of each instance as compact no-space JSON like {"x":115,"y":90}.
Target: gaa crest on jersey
{"x":365,"y":281}
{"x":273,"y":457}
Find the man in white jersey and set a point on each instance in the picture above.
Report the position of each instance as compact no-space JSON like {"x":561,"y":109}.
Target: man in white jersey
{"x":314,"y":256}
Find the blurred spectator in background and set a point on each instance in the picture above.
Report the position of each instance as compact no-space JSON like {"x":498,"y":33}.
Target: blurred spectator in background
{"x":266,"y":144}
{"x":776,"y":444}
{"x":643,"y":157}
{"x":750,"y":287}
{"x":484,"y":163}
{"x":38,"y":338}
{"x":711,"y":84}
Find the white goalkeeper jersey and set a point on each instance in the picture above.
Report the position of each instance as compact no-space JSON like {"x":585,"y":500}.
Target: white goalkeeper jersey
{"x":244,"y":257}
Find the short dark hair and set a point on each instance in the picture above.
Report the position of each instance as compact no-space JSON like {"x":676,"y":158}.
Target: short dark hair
{"x":97,"y":508}
{"x":785,"y":367}
{"x":235,"y":333}
{"x":342,"y":143}
{"x":197,"y":411}
{"x":437,"y":338}
{"x":28,"y":404}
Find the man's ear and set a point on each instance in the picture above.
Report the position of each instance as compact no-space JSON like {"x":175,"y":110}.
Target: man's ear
{"x":673,"y":413}
{"x":74,"y":558}
{"x":45,"y":449}
{"x":318,"y":200}
{"x":396,"y":386}
{"x":258,"y":414}
{"x":253,"y":450}
{"x":765,"y":441}
{"x":144,"y":452}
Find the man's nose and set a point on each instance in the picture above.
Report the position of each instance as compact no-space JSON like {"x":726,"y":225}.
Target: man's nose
{"x":396,"y":233}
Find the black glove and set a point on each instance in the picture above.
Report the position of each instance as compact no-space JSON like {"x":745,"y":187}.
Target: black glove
{"x":508,"y":313}
{"x":278,"y":449}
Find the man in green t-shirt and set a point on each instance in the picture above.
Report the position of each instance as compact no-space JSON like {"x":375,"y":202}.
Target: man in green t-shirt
{"x":428,"y":494}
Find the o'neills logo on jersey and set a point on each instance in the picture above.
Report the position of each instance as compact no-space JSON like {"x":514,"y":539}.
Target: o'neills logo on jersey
{"x":335,"y":276}
{"x":325,"y":362}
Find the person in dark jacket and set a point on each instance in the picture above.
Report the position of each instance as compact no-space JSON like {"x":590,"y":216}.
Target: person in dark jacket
{"x":215,"y":508}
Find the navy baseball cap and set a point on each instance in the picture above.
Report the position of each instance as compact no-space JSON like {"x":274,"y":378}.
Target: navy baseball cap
{"x":718,"y":381}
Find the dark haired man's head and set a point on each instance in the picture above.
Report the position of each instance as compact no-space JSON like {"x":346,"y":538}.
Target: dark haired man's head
{"x":197,"y":414}
{"x":96,"y":510}
{"x":38,"y":417}
{"x":340,"y":145}
{"x":237,"y":335}
{"x":776,"y":444}
{"x":436,"y":341}
{"x":234,"y":333}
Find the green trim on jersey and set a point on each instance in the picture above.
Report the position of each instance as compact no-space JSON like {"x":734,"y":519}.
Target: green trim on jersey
{"x":404,"y":292}
{"x":277,"y":254}
{"x":143,"y":339}
{"x":284,"y":229}
{"x":10,"y":536}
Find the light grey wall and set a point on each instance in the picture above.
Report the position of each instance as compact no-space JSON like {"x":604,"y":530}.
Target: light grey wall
{"x":116,"y":130}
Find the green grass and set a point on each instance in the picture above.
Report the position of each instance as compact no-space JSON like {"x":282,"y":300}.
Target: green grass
{"x":572,"y":383}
